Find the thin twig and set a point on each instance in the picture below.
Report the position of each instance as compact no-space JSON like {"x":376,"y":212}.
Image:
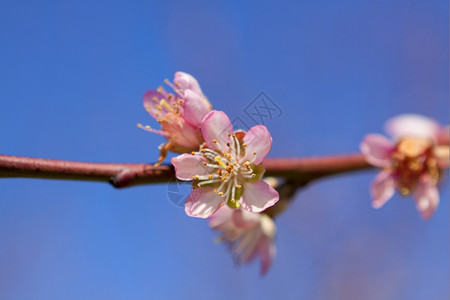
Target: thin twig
{"x":301,"y":170}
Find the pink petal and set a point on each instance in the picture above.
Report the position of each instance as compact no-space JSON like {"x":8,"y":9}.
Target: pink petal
{"x":195,"y":108}
{"x":444,"y":135}
{"x":377,"y":149}
{"x":181,"y":133}
{"x":442,"y":155}
{"x":222,"y":218}
{"x":266,"y":251}
{"x":202,"y":202}
{"x":188,"y":165}
{"x":244,"y":219}
{"x":187,"y":82}
{"x":150,"y":103}
{"x":383,"y":188}
{"x":216,"y":126}
{"x":258,"y":140}
{"x":427,"y":197}
{"x":258,"y":196}
{"x":412,"y":125}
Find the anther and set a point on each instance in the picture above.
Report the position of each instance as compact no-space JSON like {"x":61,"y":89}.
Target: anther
{"x":244,"y":145}
{"x":239,"y":186}
{"x":220,"y":162}
{"x":220,"y":194}
{"x":215,"y":141}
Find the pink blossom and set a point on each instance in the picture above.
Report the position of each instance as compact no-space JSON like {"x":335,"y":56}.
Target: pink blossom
{"x":412,"y":164}
{"x":180,"y":113}
{"x":227,"y":168}
{"x":249,"y":235}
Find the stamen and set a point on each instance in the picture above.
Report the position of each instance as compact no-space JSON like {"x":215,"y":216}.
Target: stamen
{"x":219,"y":160}
{"x":166,"y":105}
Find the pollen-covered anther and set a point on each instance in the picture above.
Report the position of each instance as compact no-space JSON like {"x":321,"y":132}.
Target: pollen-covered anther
{"x":254,"y":153}
{"x":244,"y":145}
{"x":220,"y":162}
{"x":238,"y":186}
{"x":192,"y":153}
{"x":215,"y":191}
{"x":215,"y":141}
{"x":196,"y":177}
{"x":253,"y":175}
{"x":210,"y":176}
{"x":205,"y":163}
{"x":220,"y":194}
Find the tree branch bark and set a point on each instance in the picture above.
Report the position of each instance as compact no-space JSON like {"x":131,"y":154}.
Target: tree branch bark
{"x":300,"y":170}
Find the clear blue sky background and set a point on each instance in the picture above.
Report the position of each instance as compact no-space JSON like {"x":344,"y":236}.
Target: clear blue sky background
{"x":72,"y":75}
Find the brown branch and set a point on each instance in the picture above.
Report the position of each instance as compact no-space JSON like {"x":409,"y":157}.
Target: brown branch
{"x":301,"y":170}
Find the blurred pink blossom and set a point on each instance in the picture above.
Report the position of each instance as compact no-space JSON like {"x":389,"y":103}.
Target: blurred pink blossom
{"x":249,"y":235}
{"x":413,"y":163}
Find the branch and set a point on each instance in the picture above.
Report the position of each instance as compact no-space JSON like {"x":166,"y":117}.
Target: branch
{"x":299,"y":170}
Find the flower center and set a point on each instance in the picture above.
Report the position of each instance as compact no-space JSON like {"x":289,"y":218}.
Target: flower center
{"x":412,"y":158}
{"x":227,"y":170}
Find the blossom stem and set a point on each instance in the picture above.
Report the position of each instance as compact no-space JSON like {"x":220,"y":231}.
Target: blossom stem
{"x":299,"y":170}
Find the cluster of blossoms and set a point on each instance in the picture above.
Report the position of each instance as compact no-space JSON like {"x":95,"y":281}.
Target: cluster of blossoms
{"x":224,"y":165}
{"x":412,"y":163}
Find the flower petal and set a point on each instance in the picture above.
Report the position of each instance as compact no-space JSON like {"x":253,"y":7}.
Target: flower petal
{"x":258,"y":196}
{"x":195,"y":108}
{"x":188,"y":165}
{"x":244,"y":219}
{"x":187,"y":82}
{"x":383,"y":188}
{"x":222,"y":218}
{"x":216,"y":126}
{"x":258,"y":141}
{"x":377,"y":150}
{"x":427,"y":197}
{"x":443,"y":135}
{"x":266,"y":251}
{"x":181,"y":133}
{"x":442,"y":155}
{"x":151,"y":101}
{"x":202,"y":202}
{"x":412,"y":125}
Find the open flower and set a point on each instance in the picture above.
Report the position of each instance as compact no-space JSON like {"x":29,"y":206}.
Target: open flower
{"x":227,"y":168}
{"x":249,"y":235}
{"x":180,"y":113}
{"x":413,"y":164}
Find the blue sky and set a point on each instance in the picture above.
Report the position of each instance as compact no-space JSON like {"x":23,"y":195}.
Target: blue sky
{"x":72,"y":76}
